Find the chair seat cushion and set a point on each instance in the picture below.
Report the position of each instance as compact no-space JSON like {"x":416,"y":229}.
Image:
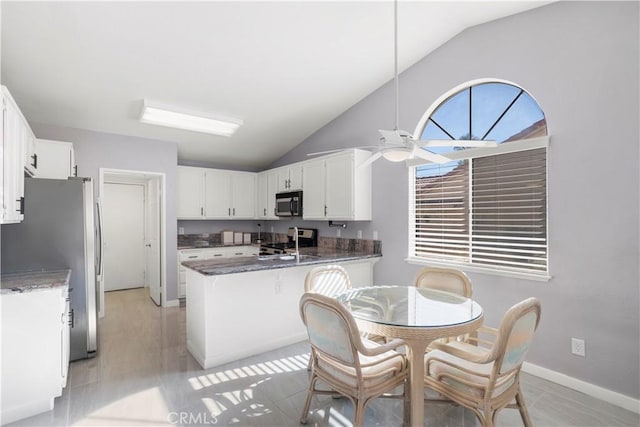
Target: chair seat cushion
{"x":438,"y":366}
{"x":379,"y":371}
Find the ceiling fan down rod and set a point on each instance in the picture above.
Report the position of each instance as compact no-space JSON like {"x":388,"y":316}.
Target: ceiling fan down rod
{"x":395,"y":61}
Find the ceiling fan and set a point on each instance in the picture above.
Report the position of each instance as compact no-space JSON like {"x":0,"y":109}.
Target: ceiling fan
{"x":397,"y":145}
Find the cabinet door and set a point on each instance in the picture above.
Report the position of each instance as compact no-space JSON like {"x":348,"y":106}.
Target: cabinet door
{"x":55,"y":159}
{"x":244,"y":195}
{"x":272,"y":189}
{"x":295,"y":177}
{"x":262,"y":194}
{"x":313,"y":202}
{"x":13,"y":165}
{"x":190,"y":192}
{"x":283,"y":179}
{"x":217,"y":190}
{"x":339,"y":187}
{"x":30,"y":158}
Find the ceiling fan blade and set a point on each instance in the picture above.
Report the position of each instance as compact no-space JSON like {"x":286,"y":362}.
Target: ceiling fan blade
{"x":455,"y":143}
{"x":373,"y":158}
{"x":391,"y":137}
{"x":432,"y":157}
{"x":337,"y":150}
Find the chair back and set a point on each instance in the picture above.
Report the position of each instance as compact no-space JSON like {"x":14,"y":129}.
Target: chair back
{"x":330,"y":280}
{"x":515,"y":335}
{"x":444,"y":279}
{"x":331,"y":328}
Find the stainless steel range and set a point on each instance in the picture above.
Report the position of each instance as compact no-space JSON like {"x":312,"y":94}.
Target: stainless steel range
{"x":307,"y":238}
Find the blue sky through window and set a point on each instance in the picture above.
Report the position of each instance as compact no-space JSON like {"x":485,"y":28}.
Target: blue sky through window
{"x":490,"y":102}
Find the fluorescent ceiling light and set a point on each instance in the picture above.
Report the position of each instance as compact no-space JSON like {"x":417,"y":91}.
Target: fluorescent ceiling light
{"x":194,"y":121}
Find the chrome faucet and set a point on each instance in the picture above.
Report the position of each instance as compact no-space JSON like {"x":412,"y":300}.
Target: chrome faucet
{"x":295,"y":238}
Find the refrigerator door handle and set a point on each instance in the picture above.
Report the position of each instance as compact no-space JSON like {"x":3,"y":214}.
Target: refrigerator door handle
{"x":99,"y":245}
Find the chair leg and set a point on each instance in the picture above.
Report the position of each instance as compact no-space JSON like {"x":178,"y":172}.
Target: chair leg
{"x":310,"y":364}
{"x":486,"y":420}
{"x":307,"y":403}
{"x":358,"y":417}
{"x":523,"y":409}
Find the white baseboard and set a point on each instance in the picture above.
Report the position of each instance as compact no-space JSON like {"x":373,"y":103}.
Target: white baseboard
{"x":172,"y":303}
{"x":615,"y":398}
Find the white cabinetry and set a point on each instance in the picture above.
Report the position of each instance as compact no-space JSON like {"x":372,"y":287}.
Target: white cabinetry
{"x":267,"y":189}
{"x":215,"y":194}
{"x":35,"y":351}
{"x":15,"y":133}
{"x":56,"y":159}
{"x":337,"y":189}
{"x":208,"y":253}
{"x":290,"y":177}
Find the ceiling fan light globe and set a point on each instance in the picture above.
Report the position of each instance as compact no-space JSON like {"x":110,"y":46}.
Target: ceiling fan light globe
{"x":397,"y":154}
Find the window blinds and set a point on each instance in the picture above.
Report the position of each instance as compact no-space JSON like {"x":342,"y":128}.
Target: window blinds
{"x":488,"y":211}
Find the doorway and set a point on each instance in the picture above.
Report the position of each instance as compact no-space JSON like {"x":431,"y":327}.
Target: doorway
{"x":133,"y":210}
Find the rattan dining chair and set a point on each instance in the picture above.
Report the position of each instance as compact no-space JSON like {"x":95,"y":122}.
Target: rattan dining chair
{"x":486,"y":380}
{"x":444,"y":279}
{"x":448,"y":280}
{"x":350,"y":365}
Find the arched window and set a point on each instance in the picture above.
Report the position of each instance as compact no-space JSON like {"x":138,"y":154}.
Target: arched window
{"x":487,"y":208}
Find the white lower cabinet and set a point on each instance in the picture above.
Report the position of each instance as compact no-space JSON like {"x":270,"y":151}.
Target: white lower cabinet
{"x":208,"y":253}
{"x":35,"y":351}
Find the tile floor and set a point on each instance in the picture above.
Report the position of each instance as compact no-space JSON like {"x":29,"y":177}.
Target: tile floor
{"x":144,"y":376}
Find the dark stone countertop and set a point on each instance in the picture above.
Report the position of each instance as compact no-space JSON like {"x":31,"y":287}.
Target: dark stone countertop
{"x":309,"y":256}
{"x":215,"y":245}
{"x":29,"y":281}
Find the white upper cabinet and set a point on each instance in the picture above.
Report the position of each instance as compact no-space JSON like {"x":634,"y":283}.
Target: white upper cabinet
{"x":336,"y":188}
{"x":215,"y":194}
{"x":267,"y":189}
{"x":217,"y":189}
{"x":190,"y":193}
{"x":243,"y":195}
{"x":290,"y":177}
{"x":31,"y":157}
{"x":15,"y":133}
{"x":55,"y":159}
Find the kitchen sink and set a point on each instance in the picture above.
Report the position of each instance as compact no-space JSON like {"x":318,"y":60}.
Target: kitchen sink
{"x":286,"y":257}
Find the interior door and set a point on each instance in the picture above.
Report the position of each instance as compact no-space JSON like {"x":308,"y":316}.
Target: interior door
{"x":124,"y":227}
{"x":152,"y":245}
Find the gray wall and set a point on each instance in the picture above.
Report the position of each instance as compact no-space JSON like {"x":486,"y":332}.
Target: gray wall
{"x":580,"y":61}
{"x":95,"y":150}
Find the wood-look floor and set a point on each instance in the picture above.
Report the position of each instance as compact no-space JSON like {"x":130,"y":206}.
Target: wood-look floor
{"x":144,"y":376}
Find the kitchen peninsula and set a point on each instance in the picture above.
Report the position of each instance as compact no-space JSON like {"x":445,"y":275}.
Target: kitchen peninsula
{"x":243,"y":306}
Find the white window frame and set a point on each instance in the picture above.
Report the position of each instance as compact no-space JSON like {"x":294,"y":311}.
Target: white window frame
{"x":523,"y":145}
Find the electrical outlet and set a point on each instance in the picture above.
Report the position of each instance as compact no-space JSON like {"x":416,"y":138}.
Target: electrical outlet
{"x":359,"y":234}
{"x":578,"y":347}
{"x":338,"y":233}
{"x":180,"y":230}
{"x":375,"y":235}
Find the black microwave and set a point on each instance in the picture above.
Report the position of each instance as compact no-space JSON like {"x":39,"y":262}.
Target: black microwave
{"x":289,"y":204}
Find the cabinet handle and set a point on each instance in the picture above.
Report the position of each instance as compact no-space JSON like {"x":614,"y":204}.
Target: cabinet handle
{"x":193,"y":256}
{"x":325,"y":210}
{"x":75,"y":170}
{"x":35,"y":161}
{"x":217,"y":255}
{"x":21,"y":201}
{"x":239,"y":253}
{"x":201,"y":211}
{"x":72,"y":318}
{"x":265,"y":211}
{"x":229,"y":211}
{"x":234,"y":211}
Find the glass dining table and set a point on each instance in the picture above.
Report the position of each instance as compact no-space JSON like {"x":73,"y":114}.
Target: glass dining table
{"x":417,"y":316}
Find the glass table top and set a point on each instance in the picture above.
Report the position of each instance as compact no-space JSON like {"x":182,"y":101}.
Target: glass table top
{"x":409,"y":306}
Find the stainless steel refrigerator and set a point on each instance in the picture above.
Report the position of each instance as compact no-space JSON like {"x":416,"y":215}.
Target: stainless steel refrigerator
{"x":59,"y":232}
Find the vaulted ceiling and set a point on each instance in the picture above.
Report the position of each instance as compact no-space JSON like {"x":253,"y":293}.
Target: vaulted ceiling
{"x":284,"y":68}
